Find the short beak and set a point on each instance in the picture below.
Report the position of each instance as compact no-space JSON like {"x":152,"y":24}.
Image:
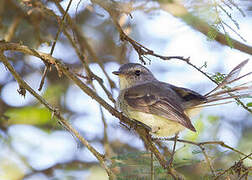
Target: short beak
{"x":117,"y":73}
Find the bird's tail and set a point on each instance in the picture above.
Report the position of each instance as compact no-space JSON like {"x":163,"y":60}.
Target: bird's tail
{"x":224,"y":92}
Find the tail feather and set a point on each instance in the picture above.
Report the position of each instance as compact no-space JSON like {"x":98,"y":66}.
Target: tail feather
{"x":239,"y":89}
{"x":222,"y":92}
{"x":231,"y":77}
{"x":240,"y":96}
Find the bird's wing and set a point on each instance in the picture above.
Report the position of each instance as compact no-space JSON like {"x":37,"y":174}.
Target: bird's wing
{"x":190,"y":98}
{"x":158,"y":99}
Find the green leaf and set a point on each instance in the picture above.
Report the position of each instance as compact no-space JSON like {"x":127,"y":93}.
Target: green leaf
{"x":249,"y":104}
{"x":218,"y":77}
{"x":29,"y":115}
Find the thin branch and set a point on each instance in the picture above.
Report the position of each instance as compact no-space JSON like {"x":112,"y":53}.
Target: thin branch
{"x":207,"y":143}
{"x":208,"y":160}
{"x":240,"y":161}
{"x":61,"y":26}
{"x":53,"y":46}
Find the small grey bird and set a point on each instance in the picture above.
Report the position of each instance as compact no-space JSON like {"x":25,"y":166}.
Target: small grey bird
{"x":163,"y":107}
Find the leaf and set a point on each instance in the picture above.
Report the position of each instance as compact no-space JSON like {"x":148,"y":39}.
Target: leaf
{"x":29,"y":115}
{"x":249,"y":104}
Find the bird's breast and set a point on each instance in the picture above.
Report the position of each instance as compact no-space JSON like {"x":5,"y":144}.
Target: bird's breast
{"x":161,"y":127}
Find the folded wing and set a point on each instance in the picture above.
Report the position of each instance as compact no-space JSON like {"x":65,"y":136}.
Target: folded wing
{"x":158,"y":99}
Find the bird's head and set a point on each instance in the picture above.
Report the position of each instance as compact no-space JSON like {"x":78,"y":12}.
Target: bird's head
{"x":132,"y":74}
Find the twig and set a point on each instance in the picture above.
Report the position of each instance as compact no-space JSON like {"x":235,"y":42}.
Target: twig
{"x":207,"y":143}
{"x":202,"y":149}
{"x":207,"y":160}
{"x":53,"y":46}
{"x":201,"y":144}
{"x":240,"y":161}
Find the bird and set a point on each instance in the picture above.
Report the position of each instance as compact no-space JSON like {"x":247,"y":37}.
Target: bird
{"x":165,"y":108}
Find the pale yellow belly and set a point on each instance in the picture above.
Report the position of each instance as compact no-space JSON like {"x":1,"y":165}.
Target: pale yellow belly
{"x":161,"y":127}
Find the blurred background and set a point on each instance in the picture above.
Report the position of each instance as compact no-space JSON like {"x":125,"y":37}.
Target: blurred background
{"x":32,"y":143}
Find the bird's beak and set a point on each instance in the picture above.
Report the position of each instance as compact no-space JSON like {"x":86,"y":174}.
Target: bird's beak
{"x":117,"y":73}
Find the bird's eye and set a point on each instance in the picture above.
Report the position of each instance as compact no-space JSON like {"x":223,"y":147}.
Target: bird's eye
{"x":137,"y":72}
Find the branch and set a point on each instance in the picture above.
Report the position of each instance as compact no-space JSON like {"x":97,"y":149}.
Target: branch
{"x":207,"y":160}
{"x":200,"y":25}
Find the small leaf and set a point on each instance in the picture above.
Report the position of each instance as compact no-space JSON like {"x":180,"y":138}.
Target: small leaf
{"x":29,"y":115}
{"x":249,"y":104}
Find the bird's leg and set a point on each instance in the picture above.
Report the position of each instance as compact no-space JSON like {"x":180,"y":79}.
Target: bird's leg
{"x":173,"y":150}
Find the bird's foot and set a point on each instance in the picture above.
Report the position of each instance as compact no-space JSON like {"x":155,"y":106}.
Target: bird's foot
{"x":170,"y":162}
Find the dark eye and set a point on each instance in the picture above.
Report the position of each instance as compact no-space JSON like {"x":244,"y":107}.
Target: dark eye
{"x":137,"y":72}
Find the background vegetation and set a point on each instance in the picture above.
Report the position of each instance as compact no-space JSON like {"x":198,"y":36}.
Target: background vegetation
{"x":57,"y":92}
